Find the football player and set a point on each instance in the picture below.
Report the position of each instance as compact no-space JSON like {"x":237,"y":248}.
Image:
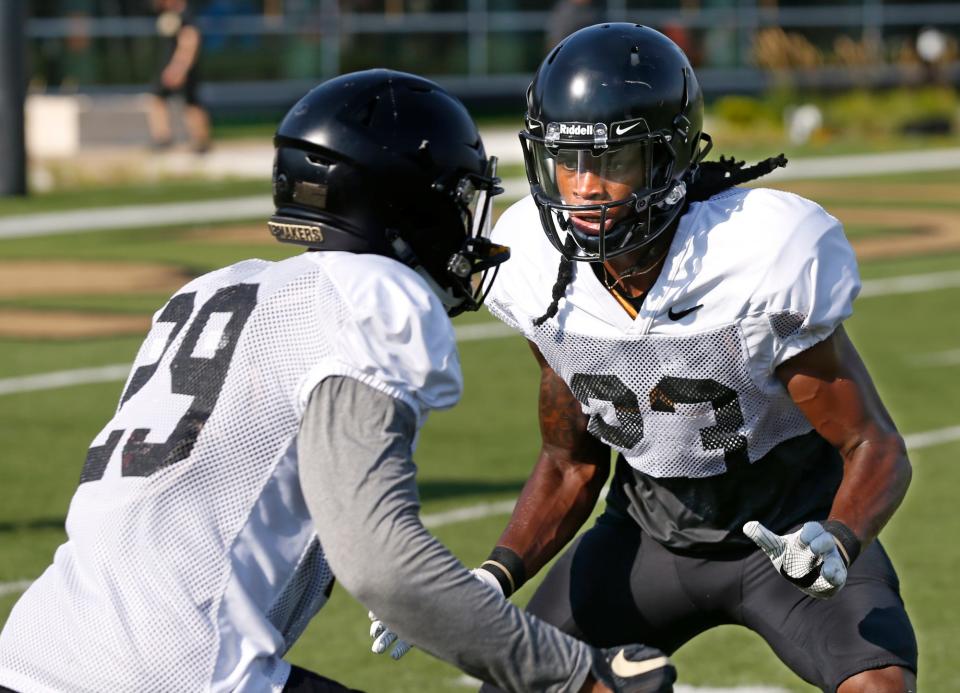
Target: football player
{"x":696,"y":329}
{"x":262,"y":444}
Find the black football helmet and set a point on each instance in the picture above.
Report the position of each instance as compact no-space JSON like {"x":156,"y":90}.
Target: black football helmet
{"x":613,"y":135}
{"x":389,"y":163}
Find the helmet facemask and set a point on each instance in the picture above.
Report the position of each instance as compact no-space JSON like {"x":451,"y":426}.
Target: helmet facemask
{"x":610,"y":198}
{"x":615,"y":95}
{"x":463,"y":278}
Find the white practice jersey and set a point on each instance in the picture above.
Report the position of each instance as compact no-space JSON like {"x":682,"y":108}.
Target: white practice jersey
{"x":688,"y":389}
{"x":191,"y":562}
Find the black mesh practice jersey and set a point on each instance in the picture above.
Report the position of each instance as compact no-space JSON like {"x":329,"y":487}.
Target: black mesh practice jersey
{"x":686,"y":392}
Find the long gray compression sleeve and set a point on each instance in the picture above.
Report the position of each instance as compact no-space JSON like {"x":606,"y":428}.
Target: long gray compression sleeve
{"x":359,"y":483}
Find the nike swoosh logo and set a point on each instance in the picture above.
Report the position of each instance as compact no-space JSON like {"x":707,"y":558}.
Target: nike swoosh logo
{"x":620,"y":129}
{"x":677,"y":315}
{"x":804,"y":581}
{"x":624,"y":668}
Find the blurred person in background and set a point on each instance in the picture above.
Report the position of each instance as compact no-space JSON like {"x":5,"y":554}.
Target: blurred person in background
{"x":179,"y":75}
{"x":677,"y":31}
{"x":263,"y":443}
{"x":80,"y":63}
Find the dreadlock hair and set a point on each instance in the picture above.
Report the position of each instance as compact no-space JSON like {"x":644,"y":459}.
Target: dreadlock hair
{"x":564,"y":277}
{"x":712,"y":177}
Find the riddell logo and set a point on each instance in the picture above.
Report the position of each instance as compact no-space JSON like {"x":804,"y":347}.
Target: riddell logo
{"x":576,"y":129}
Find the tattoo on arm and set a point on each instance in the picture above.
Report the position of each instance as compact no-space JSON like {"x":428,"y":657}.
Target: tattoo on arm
{"x":563,"y":425}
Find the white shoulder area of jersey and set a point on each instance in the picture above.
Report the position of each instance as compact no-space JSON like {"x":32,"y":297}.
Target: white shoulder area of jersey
{"x":522,"y":289}
{"x":400,"y":338}
{"x":237,"y":273}
{"x":767,"y":240}
{"x":778,"y":264}
{"x":381,"y":289}
{"x":208,"y":283}
{"x":519,"y":228}
{"x":763,"y":222}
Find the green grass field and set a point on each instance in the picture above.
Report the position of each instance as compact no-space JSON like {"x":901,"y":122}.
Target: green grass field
{"x":482,"y":450}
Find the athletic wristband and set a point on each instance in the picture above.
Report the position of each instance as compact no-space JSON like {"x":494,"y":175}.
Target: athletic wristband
{"x":507,"y":567}
{"x":847,"y":541}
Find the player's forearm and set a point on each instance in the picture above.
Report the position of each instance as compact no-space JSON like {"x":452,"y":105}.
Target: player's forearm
{"x":876,"y":471}
{"x":565,"y":483}
{"x":556,"y":500}
{"x":359,"y":485}
{"x":832,"y":387}
{"x":429,"y":598}
{"x":876,"y":476}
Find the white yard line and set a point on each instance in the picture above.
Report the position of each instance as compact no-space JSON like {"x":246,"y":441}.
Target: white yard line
{"x":936,"y":358}
{"x":480,"y":511}
{"x":484,"y":330}
{"x":119,"y":371}
{"x":910,"y":284}
{"x":15,"y":587}
{"x":466,"y":333}
{"x":918,"y":441}
{"x":261,"y":206}
{"x":58,"y":379}
{"x":137,"y":216}
{"x":851,"y":165}
{"x":470,"y":512}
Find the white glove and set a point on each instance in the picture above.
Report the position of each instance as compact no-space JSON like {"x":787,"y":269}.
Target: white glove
{"x":486,"y":577}
{"x":808,"y":558}
{"x":383,"y":637}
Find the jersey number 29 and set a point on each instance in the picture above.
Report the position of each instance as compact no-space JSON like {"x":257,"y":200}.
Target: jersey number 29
{"x":201,"y":377}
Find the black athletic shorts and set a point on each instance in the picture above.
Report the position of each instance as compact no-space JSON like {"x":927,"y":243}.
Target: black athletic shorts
{"x":189,"y":88}
{"x":615,"y":585}
{"x":303,"y":681}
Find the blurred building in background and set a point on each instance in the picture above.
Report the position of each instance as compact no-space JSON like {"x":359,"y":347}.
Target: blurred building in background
{"x":260,"y":54}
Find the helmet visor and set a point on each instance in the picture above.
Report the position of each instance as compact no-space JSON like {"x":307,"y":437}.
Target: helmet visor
{"x":481,"y":214}
{"x":584,"y":181}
